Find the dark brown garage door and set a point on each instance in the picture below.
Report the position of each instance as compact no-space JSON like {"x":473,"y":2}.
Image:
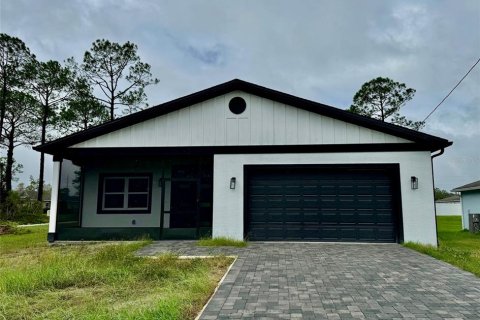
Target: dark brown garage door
{"x":332,"y":203}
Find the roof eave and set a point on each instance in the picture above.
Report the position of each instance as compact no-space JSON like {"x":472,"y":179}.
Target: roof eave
{"x":466,"y":189}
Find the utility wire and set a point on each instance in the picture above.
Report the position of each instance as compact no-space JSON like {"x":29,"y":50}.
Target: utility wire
{"x":438,"y":105}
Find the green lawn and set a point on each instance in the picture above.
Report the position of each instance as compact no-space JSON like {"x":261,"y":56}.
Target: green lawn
{"x":221,"y":242}
{"x":457,"y":246}
{"x":99,"y":281}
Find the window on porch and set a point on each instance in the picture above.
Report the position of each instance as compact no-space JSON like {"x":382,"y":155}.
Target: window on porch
{"x":125,"y":193}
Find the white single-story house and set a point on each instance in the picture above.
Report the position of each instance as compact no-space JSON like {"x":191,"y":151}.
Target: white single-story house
{"x":449,"y":206}
{"x":470,"y":198}
{"x":246,"y":162}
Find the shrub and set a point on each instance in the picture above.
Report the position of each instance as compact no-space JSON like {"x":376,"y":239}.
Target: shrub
{"x":15,"y":207}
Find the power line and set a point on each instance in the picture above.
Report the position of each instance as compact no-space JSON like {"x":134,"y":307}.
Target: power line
{"x":438,"y":105}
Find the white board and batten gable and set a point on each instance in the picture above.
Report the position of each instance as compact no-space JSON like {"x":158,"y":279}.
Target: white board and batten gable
{"x":264,"y":122}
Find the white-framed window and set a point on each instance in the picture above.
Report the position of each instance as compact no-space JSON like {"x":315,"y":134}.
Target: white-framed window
{"x":125,"y":193}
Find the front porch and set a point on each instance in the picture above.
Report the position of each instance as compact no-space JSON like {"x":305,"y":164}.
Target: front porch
{"x":126,"y":196}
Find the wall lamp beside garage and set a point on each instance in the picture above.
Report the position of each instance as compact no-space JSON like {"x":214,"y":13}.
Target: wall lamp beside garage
{"x":414,"y":182}
{"x":233,"y":182}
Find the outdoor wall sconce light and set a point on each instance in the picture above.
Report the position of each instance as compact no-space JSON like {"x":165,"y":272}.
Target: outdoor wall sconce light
{"x":414,"y":181}
{"x":233,"y":181}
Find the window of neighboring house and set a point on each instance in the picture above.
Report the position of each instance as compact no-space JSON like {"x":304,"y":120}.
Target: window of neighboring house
{"x":125,"y":193}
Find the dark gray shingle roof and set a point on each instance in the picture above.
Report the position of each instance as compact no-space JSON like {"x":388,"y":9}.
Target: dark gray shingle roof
{"x":470,"y":186}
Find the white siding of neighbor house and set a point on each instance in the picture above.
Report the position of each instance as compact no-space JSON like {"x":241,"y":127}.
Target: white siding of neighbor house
{"x":470,"y":204}
{"x":264,"y":122}
{"x":448,"y":208}
{"x":417,"y":205}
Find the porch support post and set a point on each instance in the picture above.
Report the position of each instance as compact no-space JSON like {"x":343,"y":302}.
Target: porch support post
{"x":52,"y":226}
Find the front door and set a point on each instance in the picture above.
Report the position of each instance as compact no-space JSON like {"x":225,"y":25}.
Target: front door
{"x":191,"y":200}
{"x":184,"y":198}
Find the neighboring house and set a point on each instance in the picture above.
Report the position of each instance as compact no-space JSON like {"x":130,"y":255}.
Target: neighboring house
{"x":470,"y":198}
{"x":449,"y":206}
{"x":244,"y":161}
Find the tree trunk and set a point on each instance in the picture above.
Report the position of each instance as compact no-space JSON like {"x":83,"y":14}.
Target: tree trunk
{"x":112,"y":108}
{"x":42,"y":155}
{"x":382,"y":111}
{"x":3,"y":107}
{"x":9,"y":164}
{"x":2,"y":190}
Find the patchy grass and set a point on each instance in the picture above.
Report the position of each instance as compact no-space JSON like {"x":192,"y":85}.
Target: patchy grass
{"x":221,"y":242}
{"x":23,"y":238}
{"x":457,"y":246}
{"x":7,"y":227}
{"x":99,"y":281}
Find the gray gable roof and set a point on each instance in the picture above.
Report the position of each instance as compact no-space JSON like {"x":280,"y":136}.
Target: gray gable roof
{"x":468,"y":187}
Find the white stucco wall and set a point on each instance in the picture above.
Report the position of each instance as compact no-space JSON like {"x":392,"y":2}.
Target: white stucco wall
{"x":417,"y":205}
{"x":448,"y":208}
{"x":470,"y":204}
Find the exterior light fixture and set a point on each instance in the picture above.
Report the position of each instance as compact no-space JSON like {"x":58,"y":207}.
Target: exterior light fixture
{"x":233,"y":181}
{"x":414,"y":182}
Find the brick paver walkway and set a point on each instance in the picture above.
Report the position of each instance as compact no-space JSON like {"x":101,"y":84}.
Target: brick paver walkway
{"x":335,"y":281}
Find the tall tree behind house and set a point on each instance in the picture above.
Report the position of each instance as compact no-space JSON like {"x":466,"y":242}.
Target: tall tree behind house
{"x":14,"y":57}
{"x":50,"y":85}
{"x":382,"y":99}
{"x":118,"y":74}
{"x":19,"y":128}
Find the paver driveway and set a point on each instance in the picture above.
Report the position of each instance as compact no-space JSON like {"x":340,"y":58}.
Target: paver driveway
{"x":335,"y":281}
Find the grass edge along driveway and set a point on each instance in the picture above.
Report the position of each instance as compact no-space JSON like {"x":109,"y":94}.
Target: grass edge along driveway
{"x":456,"y":246}
{"x":99,"y":281}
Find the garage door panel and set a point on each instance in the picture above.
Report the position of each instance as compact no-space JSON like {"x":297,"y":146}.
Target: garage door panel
{"x":386,"y":233}
{"x":328,"y":217}
{"x":293,"y":232}
{"x":308,"y":217}
{"x":383,"y":190}
{"x":367,"y":234}
{"x":352,"y":204}
{"x":327,"y":190}
{"x":348,"y":234}
{"x":330,"y":234}
{"x":310,"y":233}
{"x":292,"y":190}
{"x":347,"y":216}
{"x":366,"y":216}
{"x":383,"y":205}
{"x":384,"y":217}
{"x":364,"y":189}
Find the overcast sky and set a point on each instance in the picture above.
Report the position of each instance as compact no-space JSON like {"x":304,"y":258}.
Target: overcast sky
{"x":320,"y":50}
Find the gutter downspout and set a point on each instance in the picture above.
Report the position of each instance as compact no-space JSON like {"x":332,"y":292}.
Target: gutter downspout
{"x":433,"y":180}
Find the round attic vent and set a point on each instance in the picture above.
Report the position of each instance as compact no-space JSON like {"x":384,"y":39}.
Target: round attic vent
{"x":237,"y":105}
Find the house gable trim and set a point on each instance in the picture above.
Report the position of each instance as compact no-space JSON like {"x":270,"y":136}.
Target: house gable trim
{"x":433,"y":143}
